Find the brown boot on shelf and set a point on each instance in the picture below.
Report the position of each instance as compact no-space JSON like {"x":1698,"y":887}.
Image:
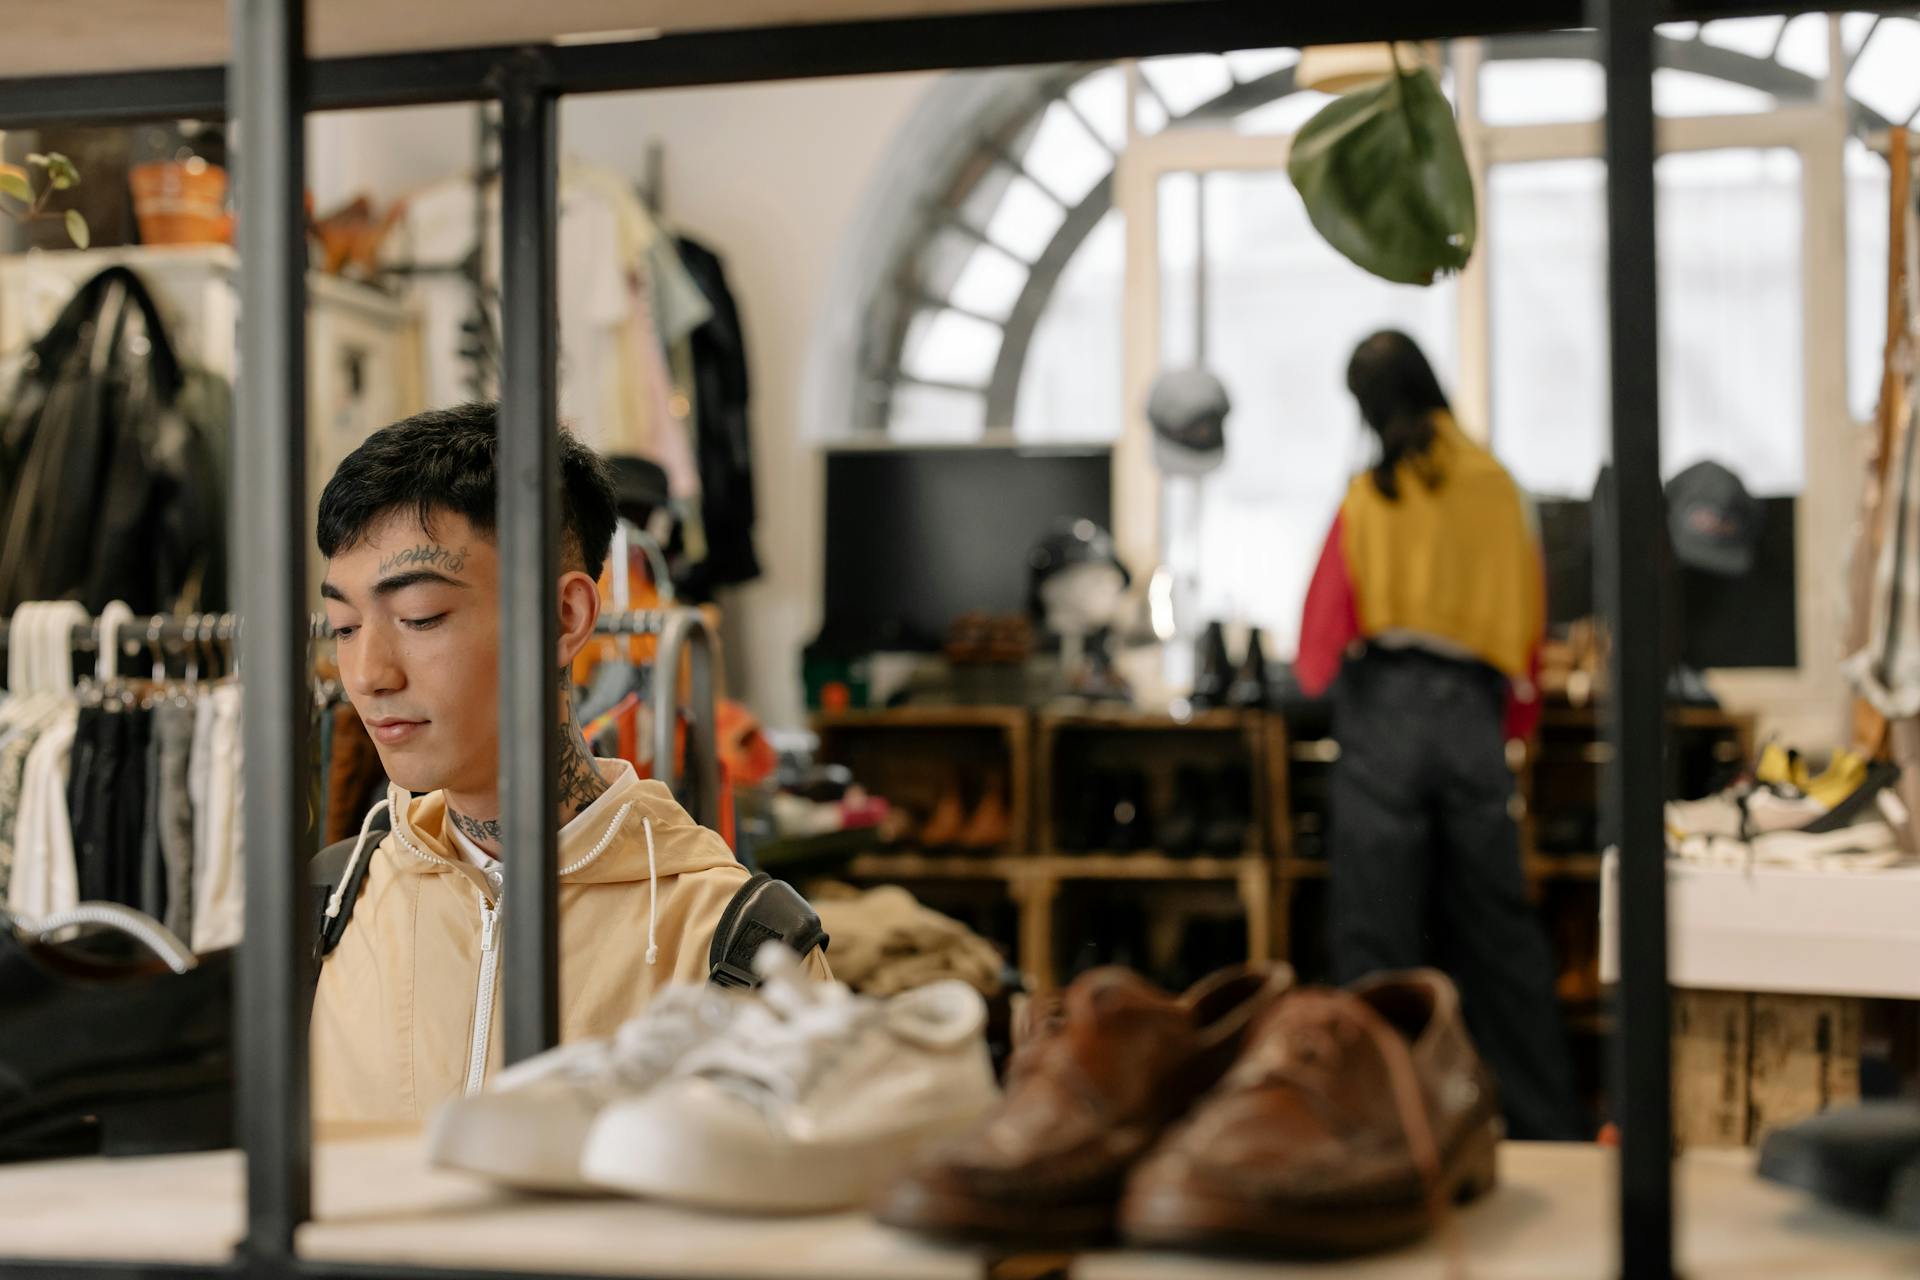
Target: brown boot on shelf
{"x":947,"y":821}
{"x":991,"y":826}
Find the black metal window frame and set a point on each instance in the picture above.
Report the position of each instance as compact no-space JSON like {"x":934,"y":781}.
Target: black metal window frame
{"x":270,"y":87}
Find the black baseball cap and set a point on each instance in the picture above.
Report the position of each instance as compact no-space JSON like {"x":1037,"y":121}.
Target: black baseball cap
{"x":1713,"y":521}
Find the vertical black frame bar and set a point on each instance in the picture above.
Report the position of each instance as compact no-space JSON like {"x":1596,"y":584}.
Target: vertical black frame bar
{"x":1641,"y":1068}
{"x":529,"y":535}
{"x":268,"y":89}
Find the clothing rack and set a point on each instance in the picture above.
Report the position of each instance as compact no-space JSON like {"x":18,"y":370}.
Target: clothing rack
{"x":139,"y":634}
{"x":681,"y":632}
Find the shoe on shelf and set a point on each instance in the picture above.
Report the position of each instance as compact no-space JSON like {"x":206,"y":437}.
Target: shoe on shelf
{"x":1350,"y":1122}
{"x":529,"y":1127}
{"x":1130,"y":828}
{"x":1215,"y":670}
{"x":1088,"y":1092}
{"x":114,"y":1040}
{"x":991,"y":826}
{"x":1845,"y":794}
{"x":1864,"y":1158}
{"x":1248,"y":692}
{"x":811,"y":1099}
{"x":1225,"y":834}
{"x":1192,"y":801}
{"x":943,"y":826}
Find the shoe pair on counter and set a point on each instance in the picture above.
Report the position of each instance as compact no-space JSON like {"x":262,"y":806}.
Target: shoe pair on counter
{"x":1212,"y":813}
{"x":983,"y":828}
{"x":799,"y":1096}
{"x":114,"y":1040}
{"x":1783,"y":814}
{"x":1239,"y":1117}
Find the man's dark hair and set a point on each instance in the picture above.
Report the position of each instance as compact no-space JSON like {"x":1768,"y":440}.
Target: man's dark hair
{"x":444,"y":460}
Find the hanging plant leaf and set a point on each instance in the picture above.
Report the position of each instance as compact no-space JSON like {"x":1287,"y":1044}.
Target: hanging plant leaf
{"x":77,"y":229}
{"x":13,"y":182}
{"x":1385,"y":179}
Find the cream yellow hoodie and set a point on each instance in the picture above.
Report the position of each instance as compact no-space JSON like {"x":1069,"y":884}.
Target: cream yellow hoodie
{"x":398,"y":1024}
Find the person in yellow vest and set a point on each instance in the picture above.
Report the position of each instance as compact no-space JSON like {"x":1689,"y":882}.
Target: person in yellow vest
{"x":1424,"y":617}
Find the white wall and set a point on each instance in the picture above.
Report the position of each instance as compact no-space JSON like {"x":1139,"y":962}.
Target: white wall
{"x":773,"y":178}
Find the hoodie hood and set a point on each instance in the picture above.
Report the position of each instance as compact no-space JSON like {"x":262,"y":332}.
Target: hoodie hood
{"x":605,"y":844}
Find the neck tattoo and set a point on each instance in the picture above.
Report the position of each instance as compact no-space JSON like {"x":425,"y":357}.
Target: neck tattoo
{"x":580,"y":784}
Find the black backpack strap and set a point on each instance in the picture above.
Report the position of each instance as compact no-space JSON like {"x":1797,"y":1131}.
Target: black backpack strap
{"x":325,"y":873}
{"x":764,"y":910}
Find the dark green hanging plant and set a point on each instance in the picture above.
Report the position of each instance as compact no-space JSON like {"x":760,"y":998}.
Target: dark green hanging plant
{"x":1385,"y":179}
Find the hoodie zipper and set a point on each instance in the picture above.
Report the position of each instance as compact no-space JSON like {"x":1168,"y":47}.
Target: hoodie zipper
{"x":483,"y":996}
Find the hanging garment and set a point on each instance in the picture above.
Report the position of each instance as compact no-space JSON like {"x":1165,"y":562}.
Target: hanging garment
{"x":127,"y":823}
{"x":92,"y":785}
{"x":153,"y":867}
{"x":30,"y":717}
{"x":353,"y":773}
{"x":111,"y":469}
{"x":173,"y":730}
{"x":217,"y":906}
{"x":723,"y":439}
{"x":1887,"y":671}
{"x":45,"y":879}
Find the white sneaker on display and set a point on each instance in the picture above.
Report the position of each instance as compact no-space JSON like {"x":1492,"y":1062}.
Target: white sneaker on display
{"x":528,"y":1128}
{"x":809,"y":1100}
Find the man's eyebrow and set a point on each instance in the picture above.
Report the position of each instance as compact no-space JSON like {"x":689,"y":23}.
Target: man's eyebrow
{"x":419,"y":577}
{"x":330,"y":592}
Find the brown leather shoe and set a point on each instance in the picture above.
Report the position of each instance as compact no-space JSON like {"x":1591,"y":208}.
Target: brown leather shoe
{"x":1350,"y":1122}
{"x":1086,"y":1096}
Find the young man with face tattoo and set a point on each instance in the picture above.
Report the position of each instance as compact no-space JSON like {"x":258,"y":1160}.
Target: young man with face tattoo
{"x":401,"y":1016}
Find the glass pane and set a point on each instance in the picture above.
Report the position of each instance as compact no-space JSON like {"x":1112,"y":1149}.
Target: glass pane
{"x":1189,"y":81}
{"x":1065,"y":156}
{"x":1102,"y":99}
{"x":1547,"y":277}
{"x":1887,"y":76}
{"x":1686,"y":93}
{"x":1868,"y":197}
{"x":1025,"y":219}
{"x":1731,"y":347}
{"x":1541,"y":91}
{"x":1751,"y":36}
{"x":989,"y":283}
{"x":1804,"y":47}
{"x":1070,"y":389}
{"x":934,"y":415}
{"x":1282,"y":115}
{"x":1732,"y":369}
{"x":1255,"y":64}
{"x":945,"y":346}
{"x":1284,"y":312}
{"x":1855,"y":27}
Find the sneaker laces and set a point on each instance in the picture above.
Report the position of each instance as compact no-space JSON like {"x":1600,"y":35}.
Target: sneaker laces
{"x":782,"y":1042}
{"x":641,"y":1051}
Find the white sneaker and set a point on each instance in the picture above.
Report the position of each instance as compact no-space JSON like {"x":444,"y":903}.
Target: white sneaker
{"x":810,"y":1100}
{"x":528,"y":1128}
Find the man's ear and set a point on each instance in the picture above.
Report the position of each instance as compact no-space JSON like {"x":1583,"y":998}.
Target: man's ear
{"x":579,"y":610}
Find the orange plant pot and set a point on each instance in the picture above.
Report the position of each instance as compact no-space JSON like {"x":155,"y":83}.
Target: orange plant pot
{"x":181,"y":202}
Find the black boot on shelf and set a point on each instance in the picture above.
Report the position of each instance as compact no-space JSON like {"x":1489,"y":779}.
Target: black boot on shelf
{"x":1228,"y":830}
{"x":1096,"y":825}
{"x":1248,"y":692}
{"x":1215,"y":672}
{"x":1132,"y":828}
{"x":1180,"y":833}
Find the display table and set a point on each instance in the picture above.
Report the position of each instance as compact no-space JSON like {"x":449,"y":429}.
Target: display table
{"x":1779,"y":930}
{"x":378,"y":1202}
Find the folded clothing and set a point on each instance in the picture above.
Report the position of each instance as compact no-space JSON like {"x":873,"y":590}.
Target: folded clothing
{"x":885,"y":942}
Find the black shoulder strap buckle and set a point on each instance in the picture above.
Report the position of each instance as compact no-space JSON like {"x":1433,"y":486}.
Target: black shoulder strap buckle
{"x":326,"y":871}
{"x":762,"y":910}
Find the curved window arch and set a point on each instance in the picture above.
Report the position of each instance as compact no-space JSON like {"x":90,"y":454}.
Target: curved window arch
{"x":997,"y":305}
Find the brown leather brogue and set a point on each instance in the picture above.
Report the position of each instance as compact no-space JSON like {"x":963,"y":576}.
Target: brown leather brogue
{"x":1351,"y":1121}
{"x":1086,"y":1097}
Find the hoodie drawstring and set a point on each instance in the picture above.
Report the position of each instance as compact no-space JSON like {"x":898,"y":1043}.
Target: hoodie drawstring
{"x":653,"y":894}
{"x":359,"y":847}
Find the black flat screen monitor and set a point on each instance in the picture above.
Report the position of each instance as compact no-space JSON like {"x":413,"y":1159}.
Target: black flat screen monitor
{"x":917,"y":537}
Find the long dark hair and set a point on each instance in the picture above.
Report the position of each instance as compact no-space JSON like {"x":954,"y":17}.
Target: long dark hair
{"x":1398,"y":397}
